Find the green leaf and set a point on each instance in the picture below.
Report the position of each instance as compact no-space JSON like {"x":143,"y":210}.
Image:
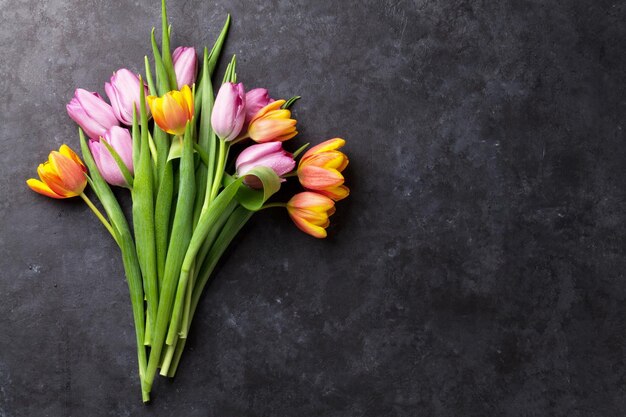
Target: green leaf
{"x":129,"y":255}
{"x":143,"y":215}
{"x":150,"y":81}
{"x":216,"y":51}
{"x":230,"y":75}
{"x":176,"y":150}
{"x":254,"y":199}
{"x":135,"y":136}
{"x":163,"y":81}
{"x":300,"y":150}
{"x":165,"y":47}
{"x":204,"y":156}
{"x":290,"y":102}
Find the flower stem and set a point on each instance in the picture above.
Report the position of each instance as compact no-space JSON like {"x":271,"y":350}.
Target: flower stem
{"x":270,"y":205}
{"x":219,"y":172}
{"x":237,"y":219}
{"x":100,"y":216}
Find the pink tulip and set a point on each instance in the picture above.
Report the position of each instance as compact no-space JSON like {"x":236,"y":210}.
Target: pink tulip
{"x":256,"y":99}
{"x":120,"y":140}
{"x":185,"y":65}
{"x":229,"y":111}
{"x":271,"y":155}
{"x":123,"y":91}
{"x":91,"y":113}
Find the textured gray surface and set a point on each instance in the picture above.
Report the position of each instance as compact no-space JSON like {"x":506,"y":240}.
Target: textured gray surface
{"x":477,"y":269}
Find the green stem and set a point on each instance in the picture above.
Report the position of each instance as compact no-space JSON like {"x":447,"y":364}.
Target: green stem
{"x":147,"y":340}
{"x":100,"y":216}
{"x":219,"y":172}
{"x":271,"y":205}
{"x":167,"y":359}
{"x":206,"y":223}
{"x":236,"y":221}
{"x":179,"y":240}
{"x":180,"y":347}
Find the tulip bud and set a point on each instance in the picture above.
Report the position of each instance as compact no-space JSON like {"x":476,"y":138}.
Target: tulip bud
{"x":173,"y":110}
{"x":62,"y":176}
{"x":123,"y":91}
{"x":91,"y":113}
{"x":310,"y":212}
{"x":120,"y":140}
{"x":229,"y":111}
{"x":320,"y":169}
{"x":272,"y":124}
{"x":256,"y":99}
{"x":271,"y":155}
{"x":185,"y":65}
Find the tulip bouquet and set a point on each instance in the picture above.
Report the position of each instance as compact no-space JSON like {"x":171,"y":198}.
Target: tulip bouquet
{"x":169,"y":140}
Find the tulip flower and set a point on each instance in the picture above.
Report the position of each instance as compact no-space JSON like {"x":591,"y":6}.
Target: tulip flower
{"x":256,"y":99}
{"x":119,"y":139}
{"x":310,"y":212}
{"x":320,"y":169}
{"x":62,"y":175}
{"x":172,"y":111}
{"x":272,"y":124}
{"x":185,"y":65}
{"x":123,"y":91}
{"x":271,"y":155}
{"x":91,"y":113}
{"x":229,"y":111}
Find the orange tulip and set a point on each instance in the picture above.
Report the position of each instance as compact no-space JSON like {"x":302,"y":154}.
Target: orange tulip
{"x":320,"y":169}
{"x":272,"y":124}
{"x":310,"y":212}
{"x":62,"y":175}
{"x":172,"y":111}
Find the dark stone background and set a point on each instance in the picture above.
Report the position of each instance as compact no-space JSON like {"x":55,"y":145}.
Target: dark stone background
{"x":476,"y":270}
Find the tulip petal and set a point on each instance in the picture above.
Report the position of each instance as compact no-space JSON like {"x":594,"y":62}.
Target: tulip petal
{"x":120,"y":139}
{"x":92,"y":128}
{"x":187,"y":102}
{"x":328,"y":159}
{"x":174,"y":114}
{"x":96,"y":108}
{"x":71,"y":174}
{"x":265,"y":130}
{"x":328,"y":145}
{"x":67,"y":151}
{"x":49,"y":176}
{"x":154,"y":103}
{"x":308,"y":228}
{"x":41,"y":188}
{"x":271,"y":106}
{"x":336,"y":193}
{"x":308,"y":199}
{"x":316,"y":178}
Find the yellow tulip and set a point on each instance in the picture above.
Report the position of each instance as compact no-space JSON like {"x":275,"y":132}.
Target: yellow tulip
{"x":310,"y":212}
{"x":62,"y":175}
{"x":272,"y":124}
{"x":320,"y":169}
{"x":172,"y":111}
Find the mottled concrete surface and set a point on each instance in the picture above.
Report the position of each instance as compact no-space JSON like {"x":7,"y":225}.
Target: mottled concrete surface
{"x":476,"y":270}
